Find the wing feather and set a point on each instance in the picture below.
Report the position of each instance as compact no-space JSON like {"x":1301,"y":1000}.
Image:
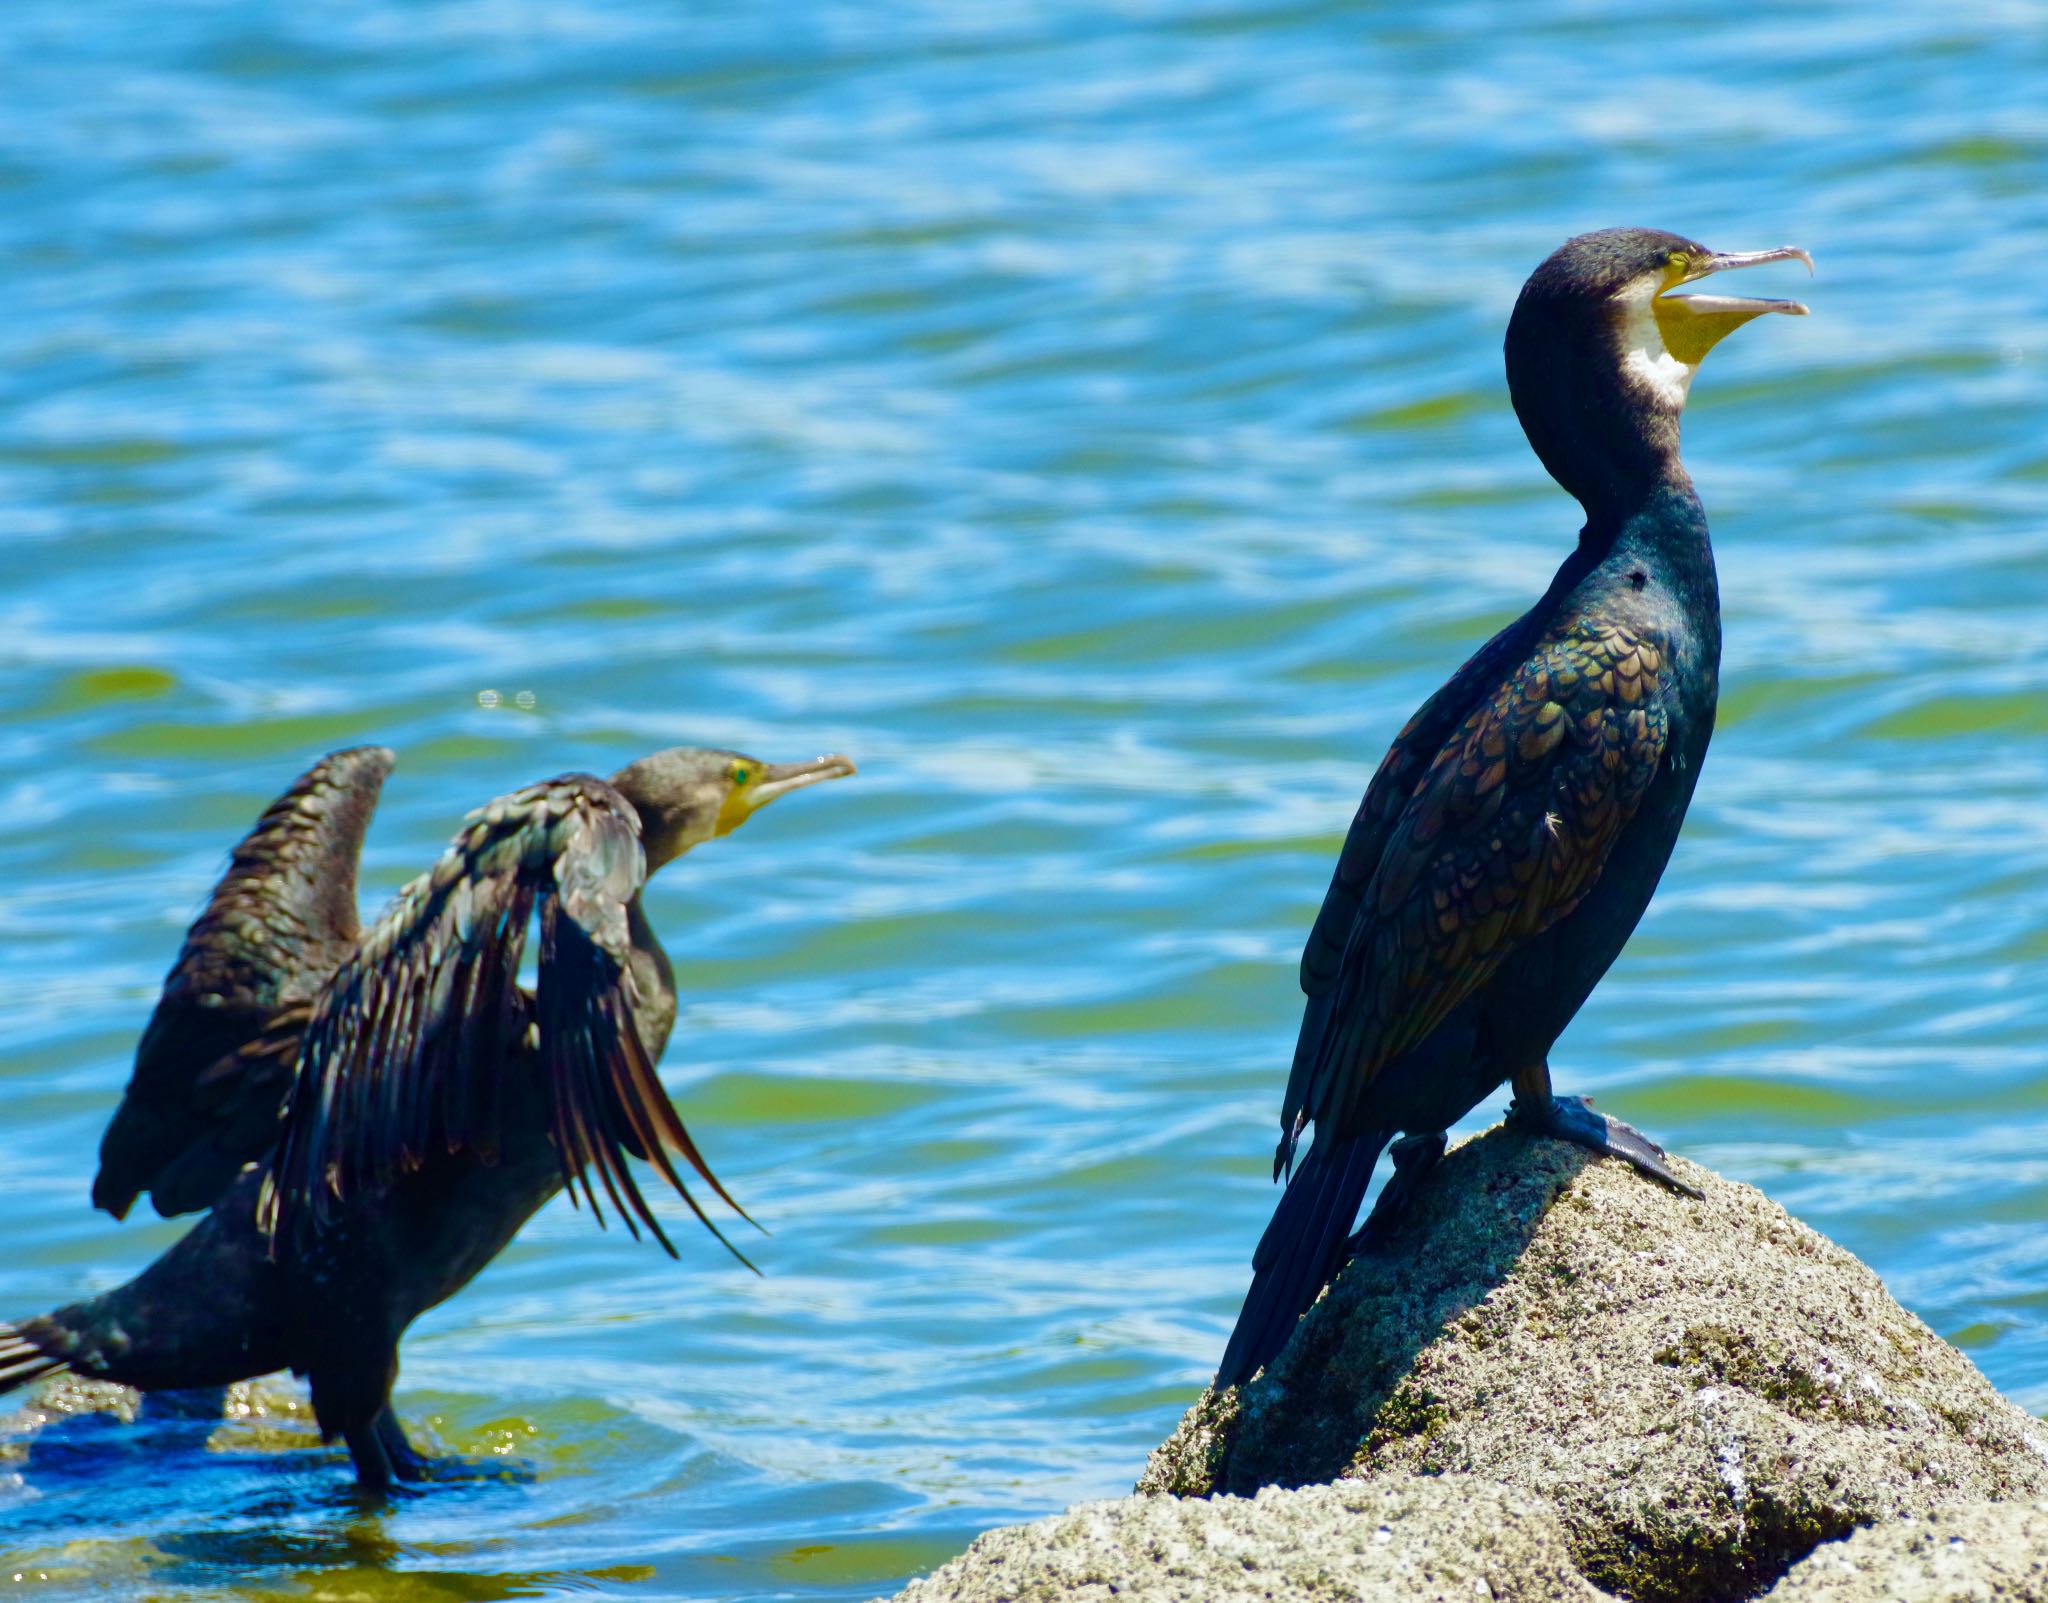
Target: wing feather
{"x":1502,"y":835}
{"x":1386,"y":797}
{"x":214,"y":1067}
{"x":608,"y":1100}
{"x":406,"y":1053}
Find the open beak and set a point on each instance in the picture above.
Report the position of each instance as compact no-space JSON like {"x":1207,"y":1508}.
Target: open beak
{"x":1693,"y":325}
{"x":778,"y":779}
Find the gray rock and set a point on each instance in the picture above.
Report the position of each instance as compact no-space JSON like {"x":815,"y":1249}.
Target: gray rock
{"x":1705,"y":1390}
{"x":1401,"y":1539}
{"x":1970,"y":1554}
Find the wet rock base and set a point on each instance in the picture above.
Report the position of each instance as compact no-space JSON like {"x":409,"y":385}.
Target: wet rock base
{"x":1555,"y":1360}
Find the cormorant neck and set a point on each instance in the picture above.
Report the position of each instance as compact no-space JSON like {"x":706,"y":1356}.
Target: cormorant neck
{"x":1633,"y":508}
{"x":1665,"y":540}
{"x":654,"y":979}
{"x":1601,"y":414}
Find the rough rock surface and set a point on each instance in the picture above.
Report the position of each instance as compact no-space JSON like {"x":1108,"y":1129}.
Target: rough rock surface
{"x":1402,"y":1539}
{"x":1705,"y":1390}
{"x":1970,"y":1554}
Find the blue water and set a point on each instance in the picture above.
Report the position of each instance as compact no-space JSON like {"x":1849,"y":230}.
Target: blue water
{"x":1091,"y":418}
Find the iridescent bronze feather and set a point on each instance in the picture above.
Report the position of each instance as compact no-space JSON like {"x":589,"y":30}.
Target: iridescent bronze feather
{"x":1501,"y":837}
{"x":1447,"y":867}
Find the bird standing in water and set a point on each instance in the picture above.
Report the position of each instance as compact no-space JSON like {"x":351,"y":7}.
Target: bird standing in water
{"x":1516,"y":830}
{"x":372,"y":1115}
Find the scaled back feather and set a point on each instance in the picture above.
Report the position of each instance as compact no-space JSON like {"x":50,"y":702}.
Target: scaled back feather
{"x":1451,"y":866}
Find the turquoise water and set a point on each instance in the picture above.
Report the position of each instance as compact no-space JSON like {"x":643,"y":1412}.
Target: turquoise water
{"x":1091,"y":418}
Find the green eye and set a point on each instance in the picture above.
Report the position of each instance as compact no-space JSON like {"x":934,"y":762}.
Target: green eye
{"x":740,"y":776}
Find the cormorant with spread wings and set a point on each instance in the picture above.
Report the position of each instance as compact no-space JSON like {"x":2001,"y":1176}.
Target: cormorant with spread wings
{"x":371,"y":1115}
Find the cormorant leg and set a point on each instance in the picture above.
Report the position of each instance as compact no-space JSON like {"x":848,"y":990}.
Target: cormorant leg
{"x":407,"y":1462}
{"x":374,"y":1472}
{"x":1415,"y":1158}
{"x":1572,"y":1118}
{"x":350,"y":1395}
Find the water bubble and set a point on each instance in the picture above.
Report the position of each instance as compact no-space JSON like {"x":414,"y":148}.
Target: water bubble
{"x":487,"y":698}
{"x":526,"y":699}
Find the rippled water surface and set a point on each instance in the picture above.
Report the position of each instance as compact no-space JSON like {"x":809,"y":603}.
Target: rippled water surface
{"x":1090,"y":417}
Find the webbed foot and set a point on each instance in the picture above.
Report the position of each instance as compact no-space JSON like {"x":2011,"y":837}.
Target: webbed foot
{"x":1415,"y":1159}
{"x":407,"y":1462}
{"x":411,"y":1465}
{"x":1572,"y":1118}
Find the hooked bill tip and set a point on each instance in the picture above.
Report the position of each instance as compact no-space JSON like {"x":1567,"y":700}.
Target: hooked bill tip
{"x":1723,"y":261}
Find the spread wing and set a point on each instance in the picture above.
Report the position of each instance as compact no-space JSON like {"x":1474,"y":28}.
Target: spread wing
{"x":407,"y":1048}
{"x":1453,"y":865}
{"x":214,"y":1066}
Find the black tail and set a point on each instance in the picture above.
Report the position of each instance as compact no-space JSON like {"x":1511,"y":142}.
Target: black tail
{"x":1301,"y":1250}
{"x":23,"y":1359}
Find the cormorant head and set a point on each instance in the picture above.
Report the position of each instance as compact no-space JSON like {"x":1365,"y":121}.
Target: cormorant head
{"x":689,"y":794}
{"x":1601,"y":353}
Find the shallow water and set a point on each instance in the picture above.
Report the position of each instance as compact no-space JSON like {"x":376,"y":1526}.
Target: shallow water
{"x":1091,"y":418}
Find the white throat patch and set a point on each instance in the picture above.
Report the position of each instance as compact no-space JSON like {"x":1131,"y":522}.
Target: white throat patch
{"x":1645,"y":364}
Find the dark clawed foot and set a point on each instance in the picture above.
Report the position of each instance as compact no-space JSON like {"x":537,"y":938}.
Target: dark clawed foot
{"x":449,"y":1468}
{"x":415,"y":1467}
{"x":409,"y":1464}
{"x":403,"y":1460}
{"x":386,"y":1463}
{"x":1415,"y":1159}
{"x":444,"y":1469}
{"x":1570,"y":1118}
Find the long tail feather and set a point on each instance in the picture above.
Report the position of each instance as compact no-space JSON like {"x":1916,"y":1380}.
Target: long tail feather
{"x":1302,"y":1248}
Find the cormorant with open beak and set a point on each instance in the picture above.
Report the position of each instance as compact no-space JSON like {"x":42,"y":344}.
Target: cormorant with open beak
{"x":1512,"y":837}
{"x":372,"y":1115}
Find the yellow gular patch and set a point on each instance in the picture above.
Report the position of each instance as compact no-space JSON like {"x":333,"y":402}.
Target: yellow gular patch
{"x":736,"y":809}
{"x":1647,"y":360}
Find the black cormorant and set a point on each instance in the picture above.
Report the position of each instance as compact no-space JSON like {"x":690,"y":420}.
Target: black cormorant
{"x":1514,"y":834}
{"x":371,"y":1116}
